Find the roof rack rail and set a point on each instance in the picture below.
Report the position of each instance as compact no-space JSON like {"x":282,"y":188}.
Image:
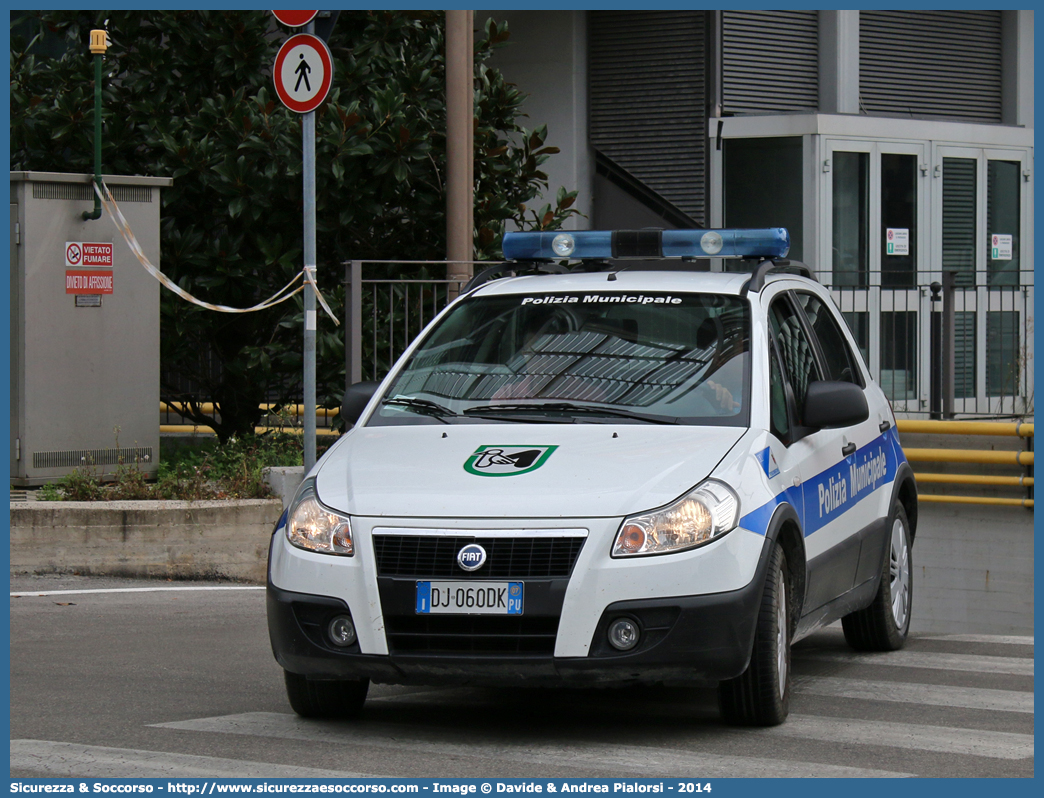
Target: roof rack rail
{"x":763,"y":269}
{"x":515,"y":268}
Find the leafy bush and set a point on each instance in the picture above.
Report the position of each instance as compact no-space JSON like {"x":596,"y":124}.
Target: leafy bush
{"x":193,"y":471}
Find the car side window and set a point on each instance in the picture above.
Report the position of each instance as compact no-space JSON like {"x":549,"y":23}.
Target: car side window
{"x":799,"y":361}
{"x":779,"y":421}
{"x":840,"y":362}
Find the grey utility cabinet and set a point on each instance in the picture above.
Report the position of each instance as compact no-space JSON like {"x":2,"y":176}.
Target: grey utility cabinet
{"x":85,"y":332}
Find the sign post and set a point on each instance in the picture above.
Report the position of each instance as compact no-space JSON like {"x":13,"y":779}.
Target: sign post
{"x":302,"y":74}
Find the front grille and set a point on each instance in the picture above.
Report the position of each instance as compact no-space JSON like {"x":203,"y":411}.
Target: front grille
{"x":471,"y":634}
{"x":436,"y":556}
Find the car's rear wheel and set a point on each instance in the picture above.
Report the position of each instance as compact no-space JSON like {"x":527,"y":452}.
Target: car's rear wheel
{"x":884,"y":625}
{"x":314,"y":698}
{"x":760,"y":696}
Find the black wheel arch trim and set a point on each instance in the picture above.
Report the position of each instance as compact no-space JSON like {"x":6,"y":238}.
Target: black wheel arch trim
{"x":905,"y":486}
{"x":794,"y":550}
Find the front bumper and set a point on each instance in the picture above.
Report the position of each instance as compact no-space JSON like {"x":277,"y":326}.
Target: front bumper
{"x":689,"y":638}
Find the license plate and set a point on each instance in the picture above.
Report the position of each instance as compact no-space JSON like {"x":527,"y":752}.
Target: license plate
{"x":469,"y":598}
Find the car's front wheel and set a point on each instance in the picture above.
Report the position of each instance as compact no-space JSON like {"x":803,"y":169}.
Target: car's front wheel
{"x":760,"y":696}
{"x":884,"y":625}
{"x":314,"y":698}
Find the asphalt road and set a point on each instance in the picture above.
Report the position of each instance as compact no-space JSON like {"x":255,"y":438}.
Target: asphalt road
{"x":181,"y":683}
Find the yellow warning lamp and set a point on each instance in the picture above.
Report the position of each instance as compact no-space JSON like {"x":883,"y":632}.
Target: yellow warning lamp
{"x":99,"y":42}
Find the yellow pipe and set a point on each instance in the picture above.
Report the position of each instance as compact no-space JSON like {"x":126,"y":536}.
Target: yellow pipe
{"x":974,"y":479}
{"x":968,"y":456}
{"x":922,"y":497}
{"x":204,"y":430}
{"x":293,"y":410}
{"x":1021,"y":429}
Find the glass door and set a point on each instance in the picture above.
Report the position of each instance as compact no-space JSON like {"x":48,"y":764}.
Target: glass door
{"x":982,"y":232}
{"x":875,"y":210}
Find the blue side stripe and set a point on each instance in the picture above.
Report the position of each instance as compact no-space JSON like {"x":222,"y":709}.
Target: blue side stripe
{"x":824,"y":497}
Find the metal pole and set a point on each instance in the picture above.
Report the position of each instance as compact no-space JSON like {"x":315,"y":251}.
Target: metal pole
{"x":460,"y":144}
{"x":308,"y":169}
{"x":949,"y":283}
{"x":353,"y":289}
{"x":935,"y":359}
{"x":99,"y":44}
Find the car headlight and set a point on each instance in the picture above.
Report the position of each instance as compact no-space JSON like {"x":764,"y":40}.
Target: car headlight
{"x":317,"y":528}
{"x":700,"y":516}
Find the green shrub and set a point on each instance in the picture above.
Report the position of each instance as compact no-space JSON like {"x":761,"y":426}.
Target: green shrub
{"x":49,"y":493}
{"x":188,"y":471}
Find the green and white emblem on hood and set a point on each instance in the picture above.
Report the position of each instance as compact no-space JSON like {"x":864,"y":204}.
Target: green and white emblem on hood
{"x":506,"y":461}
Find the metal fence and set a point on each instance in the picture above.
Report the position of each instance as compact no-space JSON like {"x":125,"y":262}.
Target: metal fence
{"x":947,"y":350}
{"x":384,"y":312}
{"x":944,"y":350}
{"x":972,"y":358}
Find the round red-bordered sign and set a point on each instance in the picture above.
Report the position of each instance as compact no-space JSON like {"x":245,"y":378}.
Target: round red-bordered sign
{"x":295,"y":19}
{"x":303,"y":72}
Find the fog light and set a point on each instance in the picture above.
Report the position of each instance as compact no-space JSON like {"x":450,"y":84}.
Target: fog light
{"x":623,"y":634}
{"x":341,"y":631}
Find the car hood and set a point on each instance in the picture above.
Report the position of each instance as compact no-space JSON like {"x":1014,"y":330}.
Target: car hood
{"x":518,"y":470}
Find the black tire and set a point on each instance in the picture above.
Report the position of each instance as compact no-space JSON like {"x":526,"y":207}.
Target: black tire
{"x":884,"y":625}
{"x":760,"y":696}
{"x":325,"y":699}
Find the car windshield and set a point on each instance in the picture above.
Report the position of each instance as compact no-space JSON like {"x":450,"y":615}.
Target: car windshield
{"x":604,"y":357}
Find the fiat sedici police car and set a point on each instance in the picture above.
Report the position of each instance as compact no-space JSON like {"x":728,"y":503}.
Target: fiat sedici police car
{"x":586,"y":472}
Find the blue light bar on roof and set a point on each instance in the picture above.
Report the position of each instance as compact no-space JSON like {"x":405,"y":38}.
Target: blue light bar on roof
{"x":771,"y":242}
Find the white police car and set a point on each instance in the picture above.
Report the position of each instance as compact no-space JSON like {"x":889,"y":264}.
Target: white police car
{"x":603,"y":475}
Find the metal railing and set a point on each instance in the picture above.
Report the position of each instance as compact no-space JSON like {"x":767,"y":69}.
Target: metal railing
{"x":384,"y":313}
{"x":990,"y":460}
{"x":942,"y":351}
{"x":947,"y":350}
{"x":276,"y":418}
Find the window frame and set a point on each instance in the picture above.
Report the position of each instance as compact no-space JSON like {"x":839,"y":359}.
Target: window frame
{"x":855,"y":359}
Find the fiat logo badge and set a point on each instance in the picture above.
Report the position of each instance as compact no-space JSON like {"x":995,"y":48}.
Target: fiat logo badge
{"x":471,"y":557}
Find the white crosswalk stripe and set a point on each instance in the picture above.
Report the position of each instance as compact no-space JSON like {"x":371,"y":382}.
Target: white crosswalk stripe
{"x":911,"y":693}
{"x":587,"y":756}
{"x":910,"y":736}
{"x":977,"y":663}
{"x":64,"y":760}
{"x":1000,"y":640}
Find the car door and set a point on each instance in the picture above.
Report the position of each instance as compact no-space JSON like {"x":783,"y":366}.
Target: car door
{"x":831,"y":517}
{"x":870,"y":469}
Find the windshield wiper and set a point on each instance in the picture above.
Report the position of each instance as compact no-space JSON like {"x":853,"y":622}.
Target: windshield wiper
{"x":570,"y":408}
{"x":423,"y":406}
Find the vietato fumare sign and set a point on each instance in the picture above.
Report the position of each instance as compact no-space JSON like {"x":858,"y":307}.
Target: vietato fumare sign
{"x":87,"y":253}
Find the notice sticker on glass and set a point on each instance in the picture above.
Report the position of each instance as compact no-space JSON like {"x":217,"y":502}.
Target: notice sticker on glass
{"x":1000,"y":247}
{"x":897,"y":241}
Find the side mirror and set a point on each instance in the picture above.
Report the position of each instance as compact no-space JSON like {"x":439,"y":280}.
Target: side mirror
{"x":834,"y":404}
{"x":355,"y":400}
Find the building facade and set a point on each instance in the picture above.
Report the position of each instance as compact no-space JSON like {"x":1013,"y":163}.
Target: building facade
{"x":896,"y":146}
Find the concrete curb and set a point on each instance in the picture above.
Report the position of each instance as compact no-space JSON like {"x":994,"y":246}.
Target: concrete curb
{"x":173,"y":539}
{"x":284,"y":481}
{"x":973,"y":565}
